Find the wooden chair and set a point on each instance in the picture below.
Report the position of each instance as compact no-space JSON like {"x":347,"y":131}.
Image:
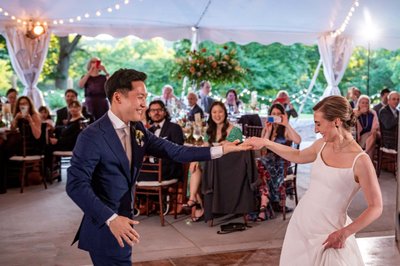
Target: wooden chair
{"x":60,"y":157}
{"x":163,"y":189}
{"x":252,"y":131}
{"x":27,"y":160}
{"x":289,"y":187}
{"x":386,"y":154}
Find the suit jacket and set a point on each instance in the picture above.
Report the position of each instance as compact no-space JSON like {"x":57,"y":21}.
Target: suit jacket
{"x":196,"y":109}
{"x":206,"y":102}
{"x":378,"y":107}
{"x":101,"y":182}
{"x":388,"y":122}
{"x":170,"y":169}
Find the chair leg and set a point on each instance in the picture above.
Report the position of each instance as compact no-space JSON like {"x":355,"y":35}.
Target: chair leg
{"x":245,"y":219}
{"x":22,"y":178}
{"x":43,"y":173}
{"x":160,"y":201}
{"x":176,"y":201}
{"x":147,"y":205}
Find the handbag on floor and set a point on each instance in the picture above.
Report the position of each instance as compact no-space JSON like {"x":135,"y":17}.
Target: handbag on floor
{"x":231,"y":227}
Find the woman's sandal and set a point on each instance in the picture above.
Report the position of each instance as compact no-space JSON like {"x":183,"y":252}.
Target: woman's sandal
{"x":198,"y":218}
{"x":261,"y":217}
{"x":189,"y":205}
{"x":263,"y":208}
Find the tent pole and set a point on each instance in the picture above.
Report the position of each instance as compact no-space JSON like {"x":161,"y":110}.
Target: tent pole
{"x":312,"y":83}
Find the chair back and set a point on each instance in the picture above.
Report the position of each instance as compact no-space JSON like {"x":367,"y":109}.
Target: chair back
{"x":252,"y":131}
{"x":389,"y":138}
{"x":152,"y":166}
{"x":30,"y":145}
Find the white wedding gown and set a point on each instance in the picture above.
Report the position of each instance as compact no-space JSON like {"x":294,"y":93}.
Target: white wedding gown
{"x":321,"y":211}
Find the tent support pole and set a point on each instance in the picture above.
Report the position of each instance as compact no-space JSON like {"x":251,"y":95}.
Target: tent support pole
{"x":312,"y":83}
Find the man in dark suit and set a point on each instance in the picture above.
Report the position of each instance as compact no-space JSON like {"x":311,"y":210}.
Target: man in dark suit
{"x":389,"y":117}
{"x":205,"y":100}
{"x":162,"y":127}
{"x":70,"y":96}
{"x":194,"y":107}
{"x":384,"y":99}
{"x":105,"y":165}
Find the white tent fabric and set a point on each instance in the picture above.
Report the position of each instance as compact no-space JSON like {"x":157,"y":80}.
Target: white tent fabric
{"x":335,"y":54}
{"x":242,"y":21}
{"x":27,"y":58}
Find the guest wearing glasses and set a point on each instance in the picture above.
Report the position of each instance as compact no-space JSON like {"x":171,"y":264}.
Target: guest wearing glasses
{"x":162,"y":127}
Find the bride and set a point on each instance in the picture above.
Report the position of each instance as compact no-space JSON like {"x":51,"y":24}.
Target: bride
{"x":320,"y":232}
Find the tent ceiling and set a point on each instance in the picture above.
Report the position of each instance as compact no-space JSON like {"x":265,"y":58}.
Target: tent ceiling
{"x":242,"y":21}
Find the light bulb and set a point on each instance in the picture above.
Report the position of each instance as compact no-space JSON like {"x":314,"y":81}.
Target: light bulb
{"x":38,"y":30}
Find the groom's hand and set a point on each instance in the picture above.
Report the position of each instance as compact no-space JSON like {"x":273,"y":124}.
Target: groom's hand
{"x":228,"y":147}
{"x":122,"y":229}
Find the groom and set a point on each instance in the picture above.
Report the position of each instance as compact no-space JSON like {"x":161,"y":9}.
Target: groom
{"x":106,"y":162}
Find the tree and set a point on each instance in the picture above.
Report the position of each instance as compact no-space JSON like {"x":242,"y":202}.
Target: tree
{"x":64,"y":56}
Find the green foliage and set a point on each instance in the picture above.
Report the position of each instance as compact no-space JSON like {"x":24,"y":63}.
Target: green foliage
{"x":219,"y":65}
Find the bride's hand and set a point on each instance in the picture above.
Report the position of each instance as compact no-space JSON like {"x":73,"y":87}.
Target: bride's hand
{"x":336,"y":239}
{"x":256,"y":143}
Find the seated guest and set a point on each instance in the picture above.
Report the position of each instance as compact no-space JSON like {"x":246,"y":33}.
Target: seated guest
{"x":232,"y":102}
{"x":353,"y":94}
{"x":367,"y":125}
{"x":384,"y":99}
{"x":162,"y":127}
{"x":282,"y":97}
{"x":205,"y":101}
{"x":47,"y":123}
{"x":388,"y":117}
{"x":69,"y":134}
{"x":282,"y":133}
{"x":168,"y":97}
{"x":219,"y":130}
{"x":194,"y":107}
{"x":63,"y":116}
{"x":12,"y":95}
{"x":28,"y":121}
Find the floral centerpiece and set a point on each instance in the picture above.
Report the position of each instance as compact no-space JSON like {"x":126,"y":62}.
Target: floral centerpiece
{"x":222,"y":66}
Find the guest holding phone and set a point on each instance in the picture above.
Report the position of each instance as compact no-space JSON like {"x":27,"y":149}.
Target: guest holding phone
{"x":93,"y":82}
{"x":277,"y":130}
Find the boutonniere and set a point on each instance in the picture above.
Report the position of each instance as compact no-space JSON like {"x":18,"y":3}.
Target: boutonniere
{"x":139,"y":137}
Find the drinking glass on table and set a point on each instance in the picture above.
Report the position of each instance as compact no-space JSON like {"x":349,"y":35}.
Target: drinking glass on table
{"x":197,"y":132}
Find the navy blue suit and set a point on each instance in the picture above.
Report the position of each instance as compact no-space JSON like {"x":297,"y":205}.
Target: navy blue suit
{"x":101,"y":183}
{"x":196,"y":109}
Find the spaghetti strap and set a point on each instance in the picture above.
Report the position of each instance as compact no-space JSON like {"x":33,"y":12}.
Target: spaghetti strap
{"x":355,"y":159}
{"x":321,"y":149}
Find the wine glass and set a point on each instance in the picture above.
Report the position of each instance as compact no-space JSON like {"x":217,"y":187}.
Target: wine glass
{"x":187,"y":130}
{"x":197,"y":131}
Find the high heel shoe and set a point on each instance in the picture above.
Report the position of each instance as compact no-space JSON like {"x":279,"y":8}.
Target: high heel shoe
{"x":190,"y":205}
{"x":196,"y":218}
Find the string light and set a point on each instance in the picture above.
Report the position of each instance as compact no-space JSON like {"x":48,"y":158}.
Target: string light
{"x":346,"y":21}
{"x":70,"y":20}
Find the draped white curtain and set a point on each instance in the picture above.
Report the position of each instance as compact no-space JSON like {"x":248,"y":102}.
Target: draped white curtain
{"x":335,"y":54}
{"x":27,"y":58}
